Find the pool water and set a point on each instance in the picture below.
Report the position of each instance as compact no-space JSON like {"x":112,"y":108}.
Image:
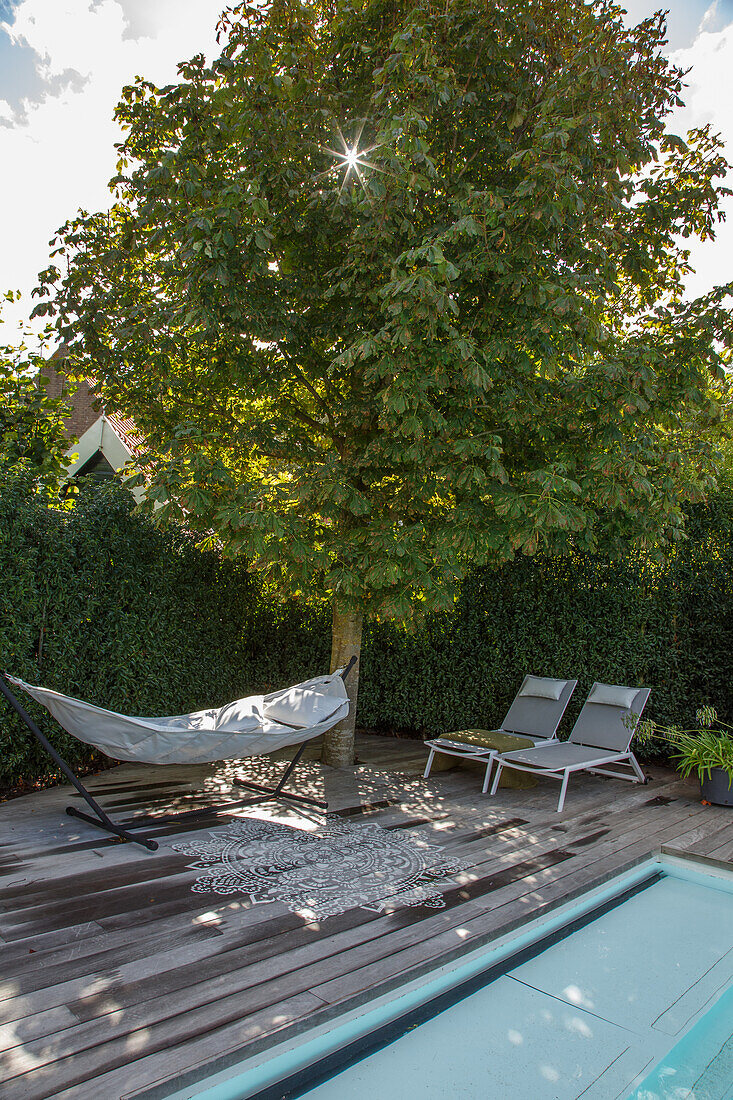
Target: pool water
{"x":634,"y":1002}
{"x":700,"y":1066}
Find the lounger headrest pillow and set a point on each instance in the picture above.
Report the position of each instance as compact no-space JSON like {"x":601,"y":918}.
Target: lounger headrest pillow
{"x":613,"y":695}
{"x":301,"y":707}
{"x":542,"y":687}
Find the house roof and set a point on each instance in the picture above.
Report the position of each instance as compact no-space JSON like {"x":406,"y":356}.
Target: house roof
{"x":87,"y":405}
{"x":128,"y":432}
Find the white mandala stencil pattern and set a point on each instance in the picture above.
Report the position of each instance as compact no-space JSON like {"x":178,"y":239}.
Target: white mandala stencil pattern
{"x":340,"y":867}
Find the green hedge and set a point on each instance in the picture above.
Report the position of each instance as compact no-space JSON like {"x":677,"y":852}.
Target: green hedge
{"x":98,"y":603}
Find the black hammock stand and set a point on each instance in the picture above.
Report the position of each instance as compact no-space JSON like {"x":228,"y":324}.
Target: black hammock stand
{"x":102,"y":821}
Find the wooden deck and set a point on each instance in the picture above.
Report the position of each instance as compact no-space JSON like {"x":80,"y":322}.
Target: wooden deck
{"x":117,"y":981}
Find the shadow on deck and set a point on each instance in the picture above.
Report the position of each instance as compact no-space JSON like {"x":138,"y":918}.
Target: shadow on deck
{"x":125,"y":973}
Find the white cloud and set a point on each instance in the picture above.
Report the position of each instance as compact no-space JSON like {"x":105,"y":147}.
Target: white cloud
{"x":710,"y":17}
{"x":60,"y":154}
{"x":685,"y":18}
{"x":717,"y":16}
{"x":68,"y":34}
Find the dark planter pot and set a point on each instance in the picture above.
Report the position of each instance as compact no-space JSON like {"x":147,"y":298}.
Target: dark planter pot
{"x":715,"y":788}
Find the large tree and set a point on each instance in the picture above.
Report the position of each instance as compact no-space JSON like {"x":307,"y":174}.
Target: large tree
{"x":395,"y":288}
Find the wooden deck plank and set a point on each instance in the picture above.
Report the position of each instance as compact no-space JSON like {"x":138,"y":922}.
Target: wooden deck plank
{"x":56,"y":975}
{"x":278,"y":932}
{"x":402,"y":958}
{"x":96,"y":1072}
{"x":724,"y":851}
{"x":565,"y":881}
{"x":117,"y":975}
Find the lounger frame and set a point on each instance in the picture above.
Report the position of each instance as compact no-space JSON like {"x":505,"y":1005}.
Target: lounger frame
{"x":596,"y":766}
{"x":465,"y":751}
{"x":563,"y":774}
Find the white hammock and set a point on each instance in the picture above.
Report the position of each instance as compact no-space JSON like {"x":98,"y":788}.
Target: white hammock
{"x":247,"y":727}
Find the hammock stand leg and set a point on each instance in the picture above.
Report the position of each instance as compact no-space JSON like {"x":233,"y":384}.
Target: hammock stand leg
{"x":272,"y":794}
{"x":265,"y":794}
{"x":102,"y":821}
{"x":278,"y":793}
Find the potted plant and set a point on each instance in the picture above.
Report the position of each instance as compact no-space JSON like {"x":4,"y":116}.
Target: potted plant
{"x":706,"y":751}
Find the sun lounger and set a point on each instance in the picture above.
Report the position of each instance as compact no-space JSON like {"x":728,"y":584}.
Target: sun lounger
{"x":601,"y":736}
{"x":534,"y":715}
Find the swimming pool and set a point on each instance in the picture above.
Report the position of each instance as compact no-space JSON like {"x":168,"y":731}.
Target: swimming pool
{"x":626,"y":993}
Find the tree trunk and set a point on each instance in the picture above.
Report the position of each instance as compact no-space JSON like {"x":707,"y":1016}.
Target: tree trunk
{"x":338,"y":743}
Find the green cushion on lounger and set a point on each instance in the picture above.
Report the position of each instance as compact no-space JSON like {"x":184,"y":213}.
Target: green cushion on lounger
{"x":490,"y":739}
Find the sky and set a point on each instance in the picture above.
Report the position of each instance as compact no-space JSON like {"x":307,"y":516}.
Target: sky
{"x":64,"y":62}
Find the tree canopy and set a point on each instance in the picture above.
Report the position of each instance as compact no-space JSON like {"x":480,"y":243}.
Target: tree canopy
{"x":32,"y":431}
{"x":394,"y":289}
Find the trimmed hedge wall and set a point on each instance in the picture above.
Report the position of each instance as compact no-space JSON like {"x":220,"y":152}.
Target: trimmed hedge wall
{"x":667,"y":625}
{"x":98,"y":603}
